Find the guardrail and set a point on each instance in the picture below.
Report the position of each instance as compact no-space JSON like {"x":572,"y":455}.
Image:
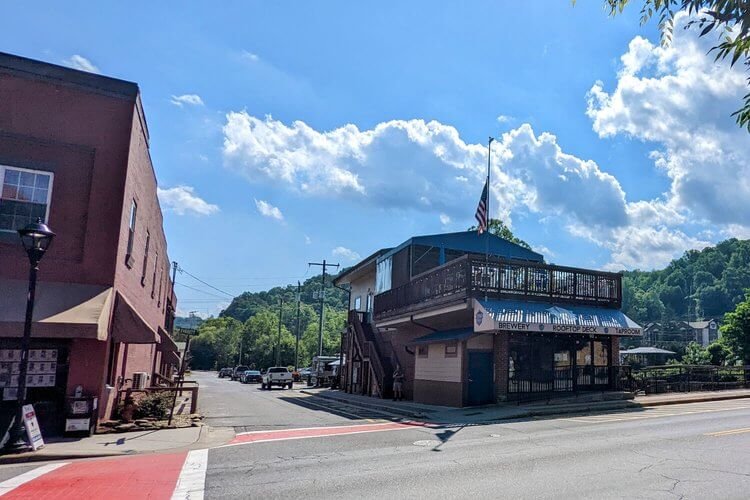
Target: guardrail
{"x":688,"y":378}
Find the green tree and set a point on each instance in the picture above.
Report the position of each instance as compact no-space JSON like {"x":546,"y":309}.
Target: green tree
{"x":735,"y":331}
{"x":216,"y":344}
{"x":720,"y":353}
{"x":730,"y":19}
{"x":260,"y":340}
{"x":696,"y":355}
{"x":498,"y":228}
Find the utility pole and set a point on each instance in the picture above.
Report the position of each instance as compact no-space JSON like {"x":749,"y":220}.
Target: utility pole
{"x":324,"y":264}
{"x":296,"y":344}
{"x":278,"y":342}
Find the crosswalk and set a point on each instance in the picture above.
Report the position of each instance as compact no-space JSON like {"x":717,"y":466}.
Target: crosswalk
{"x":661,"y":411}
{"x":157,"y":476}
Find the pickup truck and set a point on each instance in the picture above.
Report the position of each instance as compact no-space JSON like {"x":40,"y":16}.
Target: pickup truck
{"x":277,"y":376}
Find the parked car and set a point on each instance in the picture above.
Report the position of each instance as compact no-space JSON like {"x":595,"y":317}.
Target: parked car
{"x":305,"y":372}
{"x":225,"y":372}
{"x":279,"y":376}
{"x":323,"y":371}
{"x":251,"y":376}
{"x":238,"y":371}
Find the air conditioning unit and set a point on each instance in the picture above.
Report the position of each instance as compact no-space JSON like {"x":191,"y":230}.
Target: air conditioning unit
{"x":140,"y":380}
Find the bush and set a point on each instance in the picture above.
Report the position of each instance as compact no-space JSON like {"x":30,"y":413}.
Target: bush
{"x":154,"y":405}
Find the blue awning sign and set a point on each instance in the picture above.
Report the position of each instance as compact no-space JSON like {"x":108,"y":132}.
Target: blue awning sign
{"x":520,"y":316}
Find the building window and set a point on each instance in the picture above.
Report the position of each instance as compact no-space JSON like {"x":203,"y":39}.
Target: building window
{"x":451,"y":350}
{"x":145,"y":259}
{"x":153,"y":278}
{"x":369,"y":302}
{"x":357,"y":302}
{"x":131,"y":233}
{"x":25,"y":197}
{"x":161,"y":286}
{"x":423,"y":351}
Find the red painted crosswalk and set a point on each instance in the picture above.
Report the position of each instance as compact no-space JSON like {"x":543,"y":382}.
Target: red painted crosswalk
{"x":143,"y":476}
{"x":314,"y":432}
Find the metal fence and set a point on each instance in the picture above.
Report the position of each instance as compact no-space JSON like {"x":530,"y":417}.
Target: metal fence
{"x":687,"y":378}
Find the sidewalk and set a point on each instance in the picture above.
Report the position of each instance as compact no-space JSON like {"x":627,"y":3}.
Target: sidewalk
{"x":508,"y":411}
{"x":129,"y":443}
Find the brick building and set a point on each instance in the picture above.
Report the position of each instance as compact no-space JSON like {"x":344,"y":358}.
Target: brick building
{"x":74,"y":150}
{"x":476,"y":319}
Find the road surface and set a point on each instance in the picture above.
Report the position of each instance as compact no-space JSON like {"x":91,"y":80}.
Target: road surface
{"x":286,"y":449}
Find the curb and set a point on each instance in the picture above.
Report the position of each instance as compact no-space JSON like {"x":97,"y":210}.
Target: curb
{"x":543,"y":412}
{"x":370,"y":406}
{"x":58,"y":457}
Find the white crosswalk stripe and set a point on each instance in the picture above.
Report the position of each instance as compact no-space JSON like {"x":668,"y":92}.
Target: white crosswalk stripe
{"x":192,"y":481}
{"x":11,"y":484}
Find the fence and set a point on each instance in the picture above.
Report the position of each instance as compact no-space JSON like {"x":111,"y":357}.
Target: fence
{"x":687,"y":378}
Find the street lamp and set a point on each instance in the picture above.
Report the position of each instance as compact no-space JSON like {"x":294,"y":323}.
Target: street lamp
{"x":36,"y":238}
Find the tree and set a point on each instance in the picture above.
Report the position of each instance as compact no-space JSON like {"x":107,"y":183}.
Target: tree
{"x":720,"y":353}
{"x":498,"y":228}
{"x":696,"y":355}
{"x":217,"y":343}
{"x":729,"y":18}
{"x":735,"y":331}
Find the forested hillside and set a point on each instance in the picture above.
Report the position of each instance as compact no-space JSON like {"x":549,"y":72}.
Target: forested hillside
{"x":701,"y":284}
{"x":250,"y":326}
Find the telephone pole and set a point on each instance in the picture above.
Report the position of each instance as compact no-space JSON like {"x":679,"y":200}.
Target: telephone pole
{"x":296,"y":344}
{"x":324,"y":264}
{"x":278,"y":342}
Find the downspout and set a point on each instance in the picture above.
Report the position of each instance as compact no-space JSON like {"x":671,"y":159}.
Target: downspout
{"x":422,"y":325}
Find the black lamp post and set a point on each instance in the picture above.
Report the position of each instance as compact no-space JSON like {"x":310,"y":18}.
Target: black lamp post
{"x":36,"y":239}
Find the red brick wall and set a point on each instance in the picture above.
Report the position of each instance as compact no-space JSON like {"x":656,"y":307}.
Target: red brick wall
{"x":141,"y":186}
{"x":82,"y":137}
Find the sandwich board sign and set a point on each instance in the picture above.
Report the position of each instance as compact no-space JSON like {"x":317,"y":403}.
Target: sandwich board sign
{"x":33,"y":432}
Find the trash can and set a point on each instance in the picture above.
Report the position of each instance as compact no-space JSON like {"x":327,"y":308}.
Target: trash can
{"x":81,"y":415}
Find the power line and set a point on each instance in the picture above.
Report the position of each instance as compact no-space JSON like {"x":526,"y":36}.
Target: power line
{"x":202,"y":291}
{"x":208,"y":285}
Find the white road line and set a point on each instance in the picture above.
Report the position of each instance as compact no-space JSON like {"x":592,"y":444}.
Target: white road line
{"x":192,"y":481}
{"x":271,"y":431}
{"x":11,"y":484}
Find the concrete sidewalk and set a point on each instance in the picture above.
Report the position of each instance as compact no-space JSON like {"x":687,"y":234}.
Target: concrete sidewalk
{"x":128,"y":443}
{"x":508,"y":411}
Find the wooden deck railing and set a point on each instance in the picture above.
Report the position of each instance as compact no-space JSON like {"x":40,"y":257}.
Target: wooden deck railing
{"x":474,"y":277}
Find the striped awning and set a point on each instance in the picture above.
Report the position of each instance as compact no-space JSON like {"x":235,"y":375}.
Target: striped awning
{"x":515,"y":315}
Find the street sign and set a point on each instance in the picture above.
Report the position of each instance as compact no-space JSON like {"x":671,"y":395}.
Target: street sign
{"x":33,"y":431}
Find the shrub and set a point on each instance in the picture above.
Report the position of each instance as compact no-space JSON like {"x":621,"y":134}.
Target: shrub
{"x":154,"y":405}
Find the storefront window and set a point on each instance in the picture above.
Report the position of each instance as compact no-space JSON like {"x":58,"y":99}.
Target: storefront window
{"x":601,"y":353}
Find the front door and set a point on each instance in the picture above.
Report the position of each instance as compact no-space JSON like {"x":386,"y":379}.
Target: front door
{"x":480,"y":378}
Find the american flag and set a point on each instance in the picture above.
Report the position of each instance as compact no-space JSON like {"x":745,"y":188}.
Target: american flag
{"x":481,"y":215}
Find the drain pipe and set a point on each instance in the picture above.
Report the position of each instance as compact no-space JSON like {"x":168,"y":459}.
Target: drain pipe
{"x":412,"y":321}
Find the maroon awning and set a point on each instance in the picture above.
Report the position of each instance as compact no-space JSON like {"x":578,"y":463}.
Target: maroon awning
{"x":128,"y":326}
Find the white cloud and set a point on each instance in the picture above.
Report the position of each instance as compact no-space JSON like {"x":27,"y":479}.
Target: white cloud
{"x":307,"y":240}
{"x":504,"y":118}
{"x":544,"y":251}
{"x":77,"y":61}
{"x":345,"y":253}
{"x":182,"y":200}
{"x":189,"y":99}
{"x":268,"y":210}
{"x":679,"y":99}
{"x":445,"y":219}
{"x":249,"y":56}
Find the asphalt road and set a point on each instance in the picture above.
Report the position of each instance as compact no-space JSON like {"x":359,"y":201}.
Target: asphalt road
{"x":664,"y":452}
{"x":290,"y":445}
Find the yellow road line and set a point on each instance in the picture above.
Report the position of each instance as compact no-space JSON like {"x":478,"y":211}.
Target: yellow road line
{"x":729,"y":432}
{"x":649,"y":413}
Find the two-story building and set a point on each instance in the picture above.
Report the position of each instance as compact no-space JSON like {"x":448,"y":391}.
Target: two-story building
{"x":74,"y":151}
{"x":473,"y":319}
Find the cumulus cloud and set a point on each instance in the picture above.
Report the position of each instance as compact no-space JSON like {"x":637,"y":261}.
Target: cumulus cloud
{"x":411,"y":164}
{"x":189,"y":99}
{"x":77,"y":61}
{"x":250,"y":56}
{"x":445,"y":219}
{"x":183,"y":200}
{"x":679,"y":99}
{"x":345,"y":253}
{"x":268,"y":210}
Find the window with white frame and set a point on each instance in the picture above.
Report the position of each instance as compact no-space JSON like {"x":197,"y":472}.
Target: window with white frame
{"x":25,"y":196}
{"x":131,"y":233}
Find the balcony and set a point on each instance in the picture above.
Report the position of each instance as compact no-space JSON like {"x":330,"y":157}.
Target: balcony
{"x":471,"y":276}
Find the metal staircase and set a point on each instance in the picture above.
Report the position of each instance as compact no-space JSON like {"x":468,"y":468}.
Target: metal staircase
{"x":373,"y":347}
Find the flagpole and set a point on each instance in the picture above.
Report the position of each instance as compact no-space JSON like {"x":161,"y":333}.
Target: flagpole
{"x":489,"y":217}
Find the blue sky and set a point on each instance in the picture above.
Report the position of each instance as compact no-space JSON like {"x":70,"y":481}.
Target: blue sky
{"x":287,"y":132}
